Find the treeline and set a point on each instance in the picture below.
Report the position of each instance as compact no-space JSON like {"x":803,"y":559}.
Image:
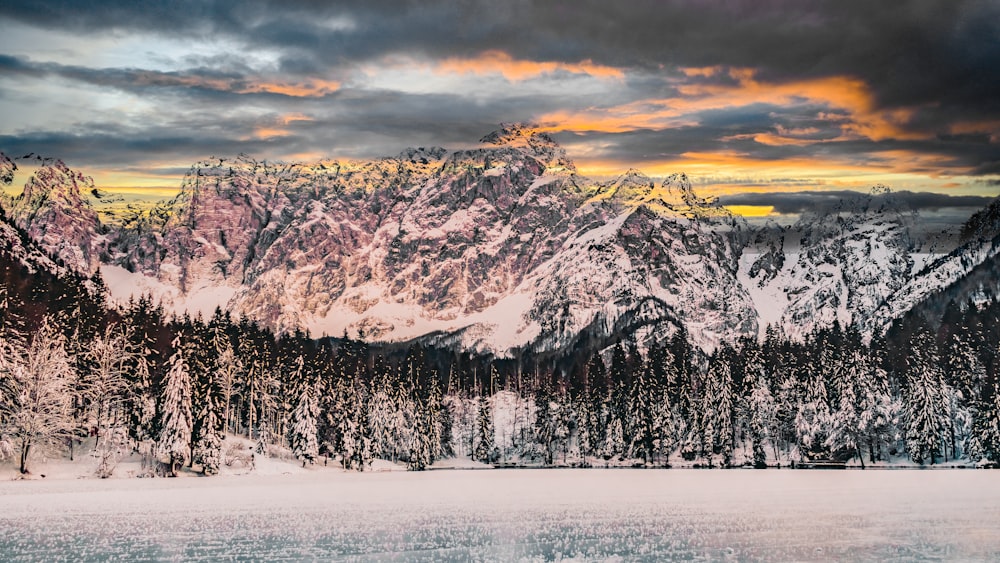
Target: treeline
{"x":135,"y":379}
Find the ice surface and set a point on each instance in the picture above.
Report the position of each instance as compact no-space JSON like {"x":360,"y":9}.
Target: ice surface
{"x":510,"y":515}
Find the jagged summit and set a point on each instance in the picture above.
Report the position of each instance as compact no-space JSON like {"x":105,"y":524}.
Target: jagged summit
{"x":53,"y":211}
{"x":422,"y":155}
{"x":984,"y":224}
{"x":679,"y":187}
{"x":7,"y":169}
{"x":526,"y":137}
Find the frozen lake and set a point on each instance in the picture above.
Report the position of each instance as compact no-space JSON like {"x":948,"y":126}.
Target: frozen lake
{"x":511,"y":515}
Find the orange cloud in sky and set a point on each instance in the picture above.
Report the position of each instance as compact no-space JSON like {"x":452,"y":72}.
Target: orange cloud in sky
{"x":310,"y":88}
{"x":279,"y":126}
{"x":516,"y":70}
{"x":890,"y":167}
{"x":991,"y":128}
{"x":840,"y":92}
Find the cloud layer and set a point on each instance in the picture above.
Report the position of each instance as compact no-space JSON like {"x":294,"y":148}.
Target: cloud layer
{"x":837,"y":94}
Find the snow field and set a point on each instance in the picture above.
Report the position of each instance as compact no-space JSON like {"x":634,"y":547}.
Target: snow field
{"x":511,"y":515}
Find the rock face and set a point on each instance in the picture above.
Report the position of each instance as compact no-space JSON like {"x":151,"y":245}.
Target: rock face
{"x":53,"y":212}
{"x":499,"y":248}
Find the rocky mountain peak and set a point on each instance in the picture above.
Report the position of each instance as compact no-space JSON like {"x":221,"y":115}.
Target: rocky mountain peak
{"x":984,"y":224}
{"x":54,"y":212}
{"x":7,"y":169}
{"x":528,"y":139}
{"x":421,"y":155}
{"x":678,"y":186}
{"x":633,"y":185}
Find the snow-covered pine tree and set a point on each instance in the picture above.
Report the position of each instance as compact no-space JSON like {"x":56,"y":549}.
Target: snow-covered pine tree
{"x":208,"y":450}
{"x":382,"y":412}
{"x":229,"y":369}
{"x":614,"y":440}
{"x":643,"y":415}
{"x":598,"y":393}
{"x":357,"y":441}
{"x":111,"y":357}
{"x":584,"y":417}
{"x":681,"y":379}
{"x":761,"y":411}
{"x":484,"y":446}
{"x":812,"y":420}
{"x":718,"y":404}
{"x":926,"y":407}
{"x":175,"y":411}
{"x":302,"y":430}
{"x":419,"y":454}
{"x":432,"y":417}
{"x":984,"y":444}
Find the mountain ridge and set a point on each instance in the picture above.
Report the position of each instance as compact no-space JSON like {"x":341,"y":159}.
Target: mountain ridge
{"x":499,"y":248}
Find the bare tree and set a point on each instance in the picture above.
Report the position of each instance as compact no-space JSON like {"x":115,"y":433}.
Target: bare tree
{"x":111,"y":355}
{"x":39,"y":406}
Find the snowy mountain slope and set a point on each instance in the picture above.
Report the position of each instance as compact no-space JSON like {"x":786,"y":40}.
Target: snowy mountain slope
{"x":833,"y":265}
{"x":494,"y":248}
{"x":967,"y":273}
{"x":500,"y":248}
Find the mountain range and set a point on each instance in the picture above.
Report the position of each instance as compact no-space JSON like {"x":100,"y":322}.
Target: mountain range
{"x":501,"y":249}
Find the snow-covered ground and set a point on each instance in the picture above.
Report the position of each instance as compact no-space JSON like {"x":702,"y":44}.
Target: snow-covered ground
{"x":509,"y":515}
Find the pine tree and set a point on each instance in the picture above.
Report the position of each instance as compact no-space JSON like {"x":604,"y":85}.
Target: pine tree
{"x":865,"y":410}
{"x":926,"y":414}
{"x":484,"y":446}
{"x":305,"y":446}
{"x":229,"y":369}
{"x":111,"y":356}
{"x":208,"y":450}
{"x":614,"y":441}
{"x":812,"y":421}
{"x":175,"y":414}
{"x":643,"y":417}
{"x":598,"y":397}
{"x":984,"y":443}
{"x":762,"y":412}
{"x":419,"y":455}
{"x":718,"y":404}
{"x":585,"y":421}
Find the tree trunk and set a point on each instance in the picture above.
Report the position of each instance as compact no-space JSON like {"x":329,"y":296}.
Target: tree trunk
{"x":25,"y":449}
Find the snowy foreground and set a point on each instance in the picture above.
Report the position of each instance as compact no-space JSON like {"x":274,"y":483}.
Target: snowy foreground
{"x":510,"y":515}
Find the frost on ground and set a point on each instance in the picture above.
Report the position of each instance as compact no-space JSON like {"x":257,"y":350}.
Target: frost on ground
{"x":510,"y":515}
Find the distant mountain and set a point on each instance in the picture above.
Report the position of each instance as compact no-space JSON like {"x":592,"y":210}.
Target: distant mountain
{"x":969,"y":273}
{"x":500,"y":248}
{"x":35,"y":283}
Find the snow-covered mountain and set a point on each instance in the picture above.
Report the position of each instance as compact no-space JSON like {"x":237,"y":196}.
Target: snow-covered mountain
{"x":970,"y":272}
{"x":838,"y":264}
{"x":498,"y":248}
{"x":55,"y":214}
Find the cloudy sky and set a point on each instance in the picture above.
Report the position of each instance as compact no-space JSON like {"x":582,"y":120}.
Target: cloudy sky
{"x":746,"y":96}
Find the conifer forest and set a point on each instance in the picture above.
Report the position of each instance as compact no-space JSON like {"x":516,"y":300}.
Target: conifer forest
{"x":171,"y":388}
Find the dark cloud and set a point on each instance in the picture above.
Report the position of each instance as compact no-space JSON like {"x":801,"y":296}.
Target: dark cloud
{"x":789,"y":203}
{"x":937,"y":59}
{"x":911,"y":52}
